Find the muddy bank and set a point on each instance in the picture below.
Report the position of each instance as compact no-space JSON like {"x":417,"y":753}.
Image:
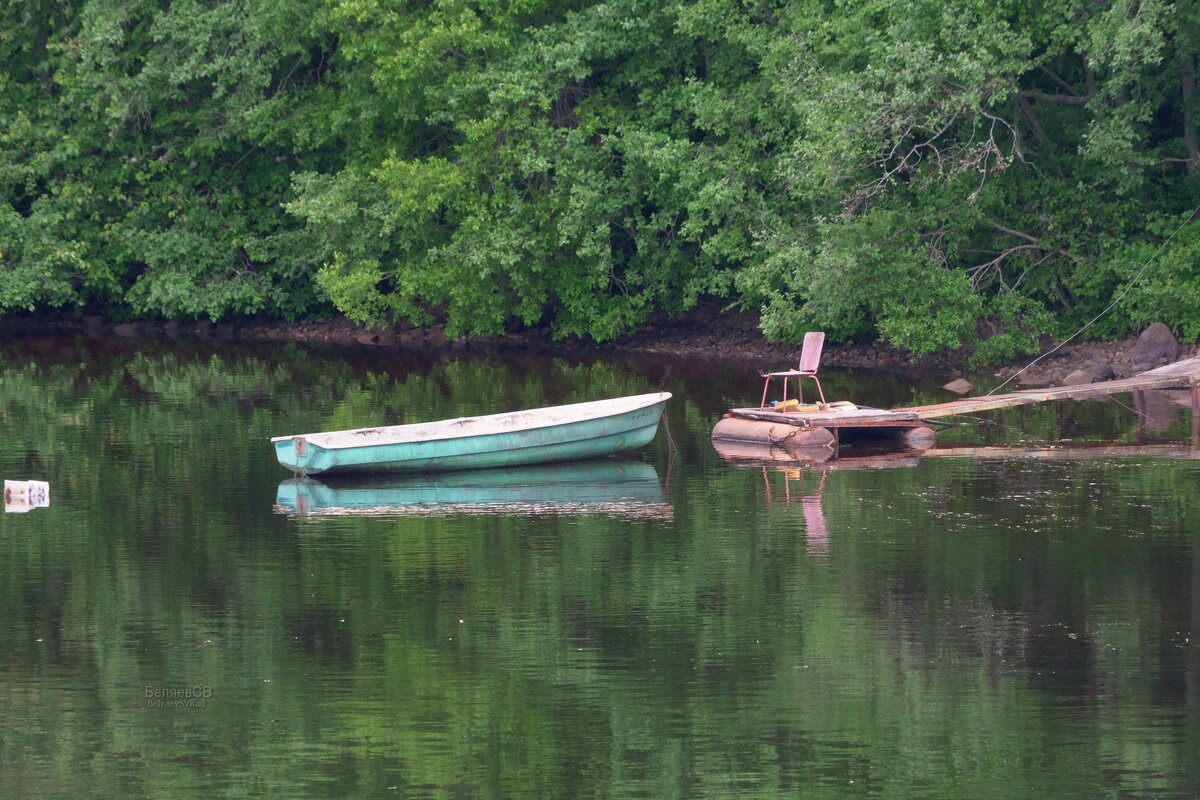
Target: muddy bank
{"x":705,"y":334}
{"x":1076,"y":362}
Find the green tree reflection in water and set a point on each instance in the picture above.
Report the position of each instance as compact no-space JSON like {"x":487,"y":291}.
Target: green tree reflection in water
{"x":950,"y":627}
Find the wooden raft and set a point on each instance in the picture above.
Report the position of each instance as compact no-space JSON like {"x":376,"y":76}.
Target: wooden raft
{"x":818,"y":429}
{"x":823,"y":428}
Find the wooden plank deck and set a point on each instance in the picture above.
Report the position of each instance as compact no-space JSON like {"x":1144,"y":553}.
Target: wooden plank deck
{"x":861,"y":418}
{"x":1180,"y":374}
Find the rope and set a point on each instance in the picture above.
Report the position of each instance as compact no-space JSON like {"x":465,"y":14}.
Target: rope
{"x":1110,"y":307}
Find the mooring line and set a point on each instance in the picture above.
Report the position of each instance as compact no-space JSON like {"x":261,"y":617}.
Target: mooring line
{"x":1141,"y":414}
{"x":1111,"y":305}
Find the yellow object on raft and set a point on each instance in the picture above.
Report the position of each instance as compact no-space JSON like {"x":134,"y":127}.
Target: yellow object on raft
{"x":790,"y":406}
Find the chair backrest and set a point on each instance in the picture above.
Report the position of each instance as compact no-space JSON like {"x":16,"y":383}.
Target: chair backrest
{"x":810,"y":356}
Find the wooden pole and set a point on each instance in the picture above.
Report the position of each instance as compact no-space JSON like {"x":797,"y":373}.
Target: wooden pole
{"x":1195,"y":414}
{"x":1139,"y":406}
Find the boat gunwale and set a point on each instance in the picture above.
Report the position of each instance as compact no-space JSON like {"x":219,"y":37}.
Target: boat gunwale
{"x":442,"y":430}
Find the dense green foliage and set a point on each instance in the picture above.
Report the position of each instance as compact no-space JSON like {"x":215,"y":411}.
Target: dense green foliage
{"x":938,"y":175}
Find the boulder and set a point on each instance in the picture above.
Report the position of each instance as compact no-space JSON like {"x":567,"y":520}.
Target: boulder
{"x":1154,"y":347}
{"x":1101,"y":370}
{"x":1078,"y":378}
{"x":959,"y":386}
{"x":1138,"y":368}
{"x":1034,"y":378}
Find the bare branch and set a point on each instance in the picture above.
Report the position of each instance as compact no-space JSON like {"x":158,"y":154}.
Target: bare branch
{"x":1054,"y":77}
{"x":1190,"y":138}
{"x":1018,"y":234}
{"x":1077,"y":99}
{"x":1072,"y":96}
{"x":1034,"y":122}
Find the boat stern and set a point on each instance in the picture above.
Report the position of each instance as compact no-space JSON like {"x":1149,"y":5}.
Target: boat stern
{"x":298,"y":454}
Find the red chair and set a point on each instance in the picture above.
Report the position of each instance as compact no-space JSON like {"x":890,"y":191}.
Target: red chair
{"x":810,"y":359}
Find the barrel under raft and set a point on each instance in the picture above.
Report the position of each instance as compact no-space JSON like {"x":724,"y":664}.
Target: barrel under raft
{"x":780,"y":433}
{"x":912,"y":434}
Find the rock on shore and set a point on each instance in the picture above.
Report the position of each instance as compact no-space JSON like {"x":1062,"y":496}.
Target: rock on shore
{"x":1091,"y":362}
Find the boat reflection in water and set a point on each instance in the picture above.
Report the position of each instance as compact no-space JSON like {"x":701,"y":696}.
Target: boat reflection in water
{"x":620,"y":488}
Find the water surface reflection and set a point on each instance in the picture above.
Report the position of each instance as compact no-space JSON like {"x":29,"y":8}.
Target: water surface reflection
{"x":1001,"y":623}
{"x":620,"y":487}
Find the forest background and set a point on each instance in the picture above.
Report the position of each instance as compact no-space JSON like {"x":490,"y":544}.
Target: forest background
{"x":962,"y":175}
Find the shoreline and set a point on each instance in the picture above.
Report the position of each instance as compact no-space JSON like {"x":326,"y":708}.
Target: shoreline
{"x":700,"y":334}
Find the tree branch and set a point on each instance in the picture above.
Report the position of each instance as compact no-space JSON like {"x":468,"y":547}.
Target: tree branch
{"x":1073,"y":97}
{"x":1018,"y":234}
{"x":1076,"y":99}
{"x":1190,"y":139}
{"x":980,"y":273}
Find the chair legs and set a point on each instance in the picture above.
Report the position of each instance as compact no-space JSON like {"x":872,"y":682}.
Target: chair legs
{"x":767,"y":388}
{"x":799,"y":389}
{"x":820,"y":391}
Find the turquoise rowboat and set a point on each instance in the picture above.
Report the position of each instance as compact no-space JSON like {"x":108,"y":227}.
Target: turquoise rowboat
{"x":533,"y":436}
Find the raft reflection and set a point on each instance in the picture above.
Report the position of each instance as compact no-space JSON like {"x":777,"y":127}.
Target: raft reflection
{"x":798,"y":474}
{"x":615,"y":488}
{"x":752,"y":454}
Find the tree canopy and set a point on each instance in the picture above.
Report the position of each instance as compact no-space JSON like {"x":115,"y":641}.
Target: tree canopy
{"x":938,"y":175}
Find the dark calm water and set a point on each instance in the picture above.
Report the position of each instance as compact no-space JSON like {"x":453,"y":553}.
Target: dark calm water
{"x":1003,"y":617}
